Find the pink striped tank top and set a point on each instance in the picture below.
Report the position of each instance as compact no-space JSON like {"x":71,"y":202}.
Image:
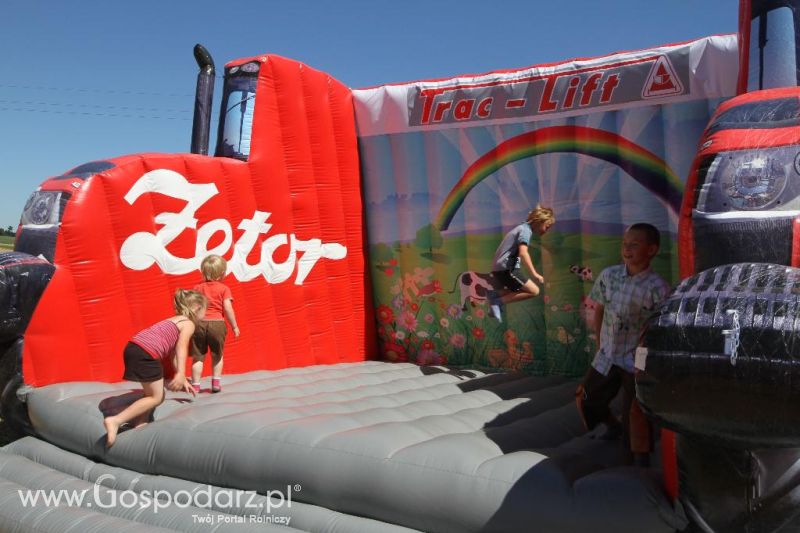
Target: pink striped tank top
{"x":158,"y":340}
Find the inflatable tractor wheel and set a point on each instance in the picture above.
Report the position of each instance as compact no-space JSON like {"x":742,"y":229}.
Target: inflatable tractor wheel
{"x":13,"y":410}
{"x":722,"y":369}
{"x":23,"y":279}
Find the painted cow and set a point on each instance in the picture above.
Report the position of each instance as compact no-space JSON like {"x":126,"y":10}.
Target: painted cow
{"x":474,"y":286}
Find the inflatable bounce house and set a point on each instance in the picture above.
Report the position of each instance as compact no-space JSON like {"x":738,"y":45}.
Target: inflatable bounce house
{"x":371,"y":389}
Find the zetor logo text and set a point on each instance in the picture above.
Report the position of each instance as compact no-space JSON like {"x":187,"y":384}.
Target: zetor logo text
{"x":143,"y":249}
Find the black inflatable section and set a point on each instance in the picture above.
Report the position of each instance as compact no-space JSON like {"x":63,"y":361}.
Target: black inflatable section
{"x":726,"y":490}
{"x":748,"y":399}
{"x":733,"y":242}
{"x":13,"y":409}
{"x":23,"y":279}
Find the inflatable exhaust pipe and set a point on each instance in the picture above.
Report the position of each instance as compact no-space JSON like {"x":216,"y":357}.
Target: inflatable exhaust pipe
{"x":204,"y":94}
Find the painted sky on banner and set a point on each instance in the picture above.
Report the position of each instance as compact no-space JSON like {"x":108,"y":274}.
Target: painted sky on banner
{"x":409,"y":175}
{"x":606,"y":141}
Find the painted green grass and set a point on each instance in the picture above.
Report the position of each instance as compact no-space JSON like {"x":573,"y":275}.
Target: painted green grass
{"x":6,"y":242}
{"x":550,"y":328}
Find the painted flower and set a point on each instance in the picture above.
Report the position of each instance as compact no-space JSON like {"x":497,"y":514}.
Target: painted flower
{"x":426,"y":345}
{"x":458,"y":340}
{"x":554,"y":308}
{"x":510,"y":337}
{"x":429,"y":318}
{"x":396,"y":288}
{"x":454,"y":311}
{"x":479,"y":313}
{"x":408,"y":320}
{"x":422,"y":275}
{"x":414,"y":307}
{"x":398,"y":302}
{"x":388,"y":271}
{"x":423,"y":334}
{"x":563,"y":337}
{"x":546,"y":298}
{"x":478,"y":333}
{"x":400,"y":335}
{"x":437,"y":335}
{"x":567,"y":307}
{"x":385,"y":314}
{"x":393,"y":262}
{"x":444,"y":323}
{"x":428,"y":357}
{"x":395,"y":352}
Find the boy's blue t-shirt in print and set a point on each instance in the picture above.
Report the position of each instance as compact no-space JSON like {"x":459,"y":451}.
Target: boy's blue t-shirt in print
{"x":507,"y":255}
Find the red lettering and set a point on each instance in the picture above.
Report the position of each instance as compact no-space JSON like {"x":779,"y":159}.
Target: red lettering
{"x":517,"y":102}
{"x":463,"y":109}
{"x":485,"y":107}
{"x":429,"y":96}
{"x":589,"y":87}
{"x":608,"y":88}
{"x":573,"y":87}
{"x":547,"y":104}
{"x":441,"y":108}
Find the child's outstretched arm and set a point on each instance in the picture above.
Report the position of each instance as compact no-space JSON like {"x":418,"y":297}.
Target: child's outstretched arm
{"x":227,"y":306}
{"x":528,"y":262}
{"x":180,"y":383}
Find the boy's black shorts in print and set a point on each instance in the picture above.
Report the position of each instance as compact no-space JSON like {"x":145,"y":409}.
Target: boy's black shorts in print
{"x":511,"y":280}
{"x":141,"y":366}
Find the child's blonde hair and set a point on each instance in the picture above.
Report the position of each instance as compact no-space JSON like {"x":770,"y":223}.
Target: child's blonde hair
{"x":541,"y":215}
{"x":213,"y":267}
{"x":185,"y":301}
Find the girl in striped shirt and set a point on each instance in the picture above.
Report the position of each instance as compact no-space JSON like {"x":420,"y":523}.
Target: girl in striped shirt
{"x":156,"y":354}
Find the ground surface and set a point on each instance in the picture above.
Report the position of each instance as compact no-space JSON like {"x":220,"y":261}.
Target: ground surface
{"x":6,"y":243}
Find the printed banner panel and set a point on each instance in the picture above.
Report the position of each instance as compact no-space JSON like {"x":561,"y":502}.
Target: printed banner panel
{"x":441,"y":194}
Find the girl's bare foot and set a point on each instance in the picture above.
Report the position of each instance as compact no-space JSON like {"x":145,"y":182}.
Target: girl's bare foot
{"x":112,"y":426}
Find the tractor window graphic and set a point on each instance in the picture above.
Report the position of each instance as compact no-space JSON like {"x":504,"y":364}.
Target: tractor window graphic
{"x":239,"y":101}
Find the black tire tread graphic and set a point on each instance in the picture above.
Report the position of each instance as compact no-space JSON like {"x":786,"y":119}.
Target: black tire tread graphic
{"x":692,"y":386}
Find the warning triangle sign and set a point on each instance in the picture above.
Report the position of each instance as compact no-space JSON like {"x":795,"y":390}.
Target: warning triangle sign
{"x":662,"y":80}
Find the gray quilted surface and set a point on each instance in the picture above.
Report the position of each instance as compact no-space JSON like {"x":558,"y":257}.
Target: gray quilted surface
{"x":425,"y":448}
{"x":31,"y":464}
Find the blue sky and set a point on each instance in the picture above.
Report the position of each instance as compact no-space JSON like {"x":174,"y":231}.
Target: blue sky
{"x":88,"y":80}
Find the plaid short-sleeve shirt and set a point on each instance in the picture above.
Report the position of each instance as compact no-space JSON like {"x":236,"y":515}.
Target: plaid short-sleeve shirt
{"x":628,"y":302}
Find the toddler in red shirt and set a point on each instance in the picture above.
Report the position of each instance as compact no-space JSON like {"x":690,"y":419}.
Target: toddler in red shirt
{"x":211,"y":332}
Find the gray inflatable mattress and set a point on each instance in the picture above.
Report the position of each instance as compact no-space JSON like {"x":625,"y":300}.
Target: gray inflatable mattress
{"x":46,"y":489}
{"x":426,"y":448}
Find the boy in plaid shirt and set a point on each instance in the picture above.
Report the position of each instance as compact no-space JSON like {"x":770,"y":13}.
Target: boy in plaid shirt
{"x":625,"y":295}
